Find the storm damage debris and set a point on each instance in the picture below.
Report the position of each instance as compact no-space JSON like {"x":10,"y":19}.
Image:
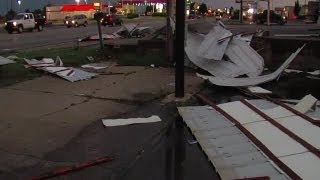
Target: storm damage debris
{"x":95,"y":66}
{"x":56,"y":67}
{"x":227,"y":56}
{"x":287,"y":139}
{"x":251,"y":81}
{"x":306,"y":103}
{"x":4,"y":61}
{"x":126,"y":31}
{"x":122,"y":122}
{"x":224,"y":54}
{"x":258,"y":90}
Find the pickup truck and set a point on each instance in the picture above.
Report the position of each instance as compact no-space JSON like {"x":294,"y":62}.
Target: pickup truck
{"x":24,"y":21}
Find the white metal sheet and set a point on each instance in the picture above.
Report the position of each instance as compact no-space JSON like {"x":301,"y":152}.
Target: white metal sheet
{"x":4,"y":61}
{"x":231,"y":152}
{"x":200,"y":118}
{"x":304,"y":129}
{"x":251,"y":81}
{"x":279,"y":143}
{"x":240,"y":53}
{"x":258,"y":90}
{"x":241,"y":112}
{"x":306,"y":165}
{"x":210,"y":48}
{"x":122,"y":122}
{"x":306,"y":104}
{"x":216,"y":68}
{"x":277,"y":112}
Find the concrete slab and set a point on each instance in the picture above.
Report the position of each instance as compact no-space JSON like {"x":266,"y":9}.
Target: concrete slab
{"x":38,"y":136}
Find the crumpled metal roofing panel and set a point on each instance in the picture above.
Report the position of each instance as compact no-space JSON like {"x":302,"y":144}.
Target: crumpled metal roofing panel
{"x":240,"y":53}
{"x":230,"y":151}
{"x":4,"y":61}
{"x":210,"y":48}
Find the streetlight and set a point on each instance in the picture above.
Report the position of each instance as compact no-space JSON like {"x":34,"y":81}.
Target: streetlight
{"x":19,"y":3}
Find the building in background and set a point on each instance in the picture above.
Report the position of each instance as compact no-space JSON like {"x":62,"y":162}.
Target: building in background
{"x":56,"y":13}
{"x":139,"y":6}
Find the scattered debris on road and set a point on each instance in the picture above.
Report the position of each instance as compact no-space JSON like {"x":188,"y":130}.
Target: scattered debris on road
{"x":126,"y":31}
{"x":122,"y":122}
{"x":56,"y":67}
{"x":4,"y":61}
{"x":95,"y":66}
{"x":258,"y":90}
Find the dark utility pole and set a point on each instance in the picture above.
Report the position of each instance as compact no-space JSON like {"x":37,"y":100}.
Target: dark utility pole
{"x":240,"y":12}
{"x":179,"y":47}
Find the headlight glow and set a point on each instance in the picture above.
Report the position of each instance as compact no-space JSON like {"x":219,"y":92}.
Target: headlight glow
{"x":73,"y":22}
{"x":5,"y":23}
{"x":15,"y":23}
{"x":67,"y":22}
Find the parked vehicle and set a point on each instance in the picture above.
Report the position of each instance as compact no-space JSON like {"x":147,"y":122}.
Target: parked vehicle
{"x":77,"y":20}
{"x":218,"y":16}
{"x":24,"y":21}
{"x":274,"y":18}
{"x":193,"y":16}
{"x":111,"y":19}
{"x":67,"y":18}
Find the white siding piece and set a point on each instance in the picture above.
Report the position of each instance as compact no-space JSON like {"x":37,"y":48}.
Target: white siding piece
{"x":306,"y":165}
{"x":241,"y":112}
{"x":202,"y":118}
{"x":4,"y":61}
{"x":210,"y":48}
{"x":122,"y":122}
{"x":306,"y":104}
{"x":258,"y":90}
{"x":302,"y":128}
{"x":216,"y":68}
{"x":243,"y":82}
{"x":240,"y":53}
{"x":279,"y":143}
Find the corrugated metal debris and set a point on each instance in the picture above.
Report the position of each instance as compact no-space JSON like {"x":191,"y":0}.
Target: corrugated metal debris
{"x":232,"y":51}
{"x":95,"y":66}
{"x":232,"y":154}
{"x":122,"y":122}
{"x":126,"y":31}
{"x":251,"y":81}
{"x":4,"y":61}
{"x":289,"y":140}
{"x":56,"y":67}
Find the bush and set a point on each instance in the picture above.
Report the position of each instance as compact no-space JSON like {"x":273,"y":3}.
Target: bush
{"x":159,"y":14}
{"x":132,"y":15}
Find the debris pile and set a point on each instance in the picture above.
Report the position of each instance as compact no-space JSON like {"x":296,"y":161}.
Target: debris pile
{"x":227,"y":56}
{"x":126,"y":31}
{"x":56,"y":67}
{"x":257,"y":138}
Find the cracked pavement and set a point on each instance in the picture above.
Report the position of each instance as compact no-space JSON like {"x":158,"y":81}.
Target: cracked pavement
{"x":49,"y":122}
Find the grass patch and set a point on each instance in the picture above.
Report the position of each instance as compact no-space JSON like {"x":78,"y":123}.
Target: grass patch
{"x":13,"y":73}
{"x":158,"y":58}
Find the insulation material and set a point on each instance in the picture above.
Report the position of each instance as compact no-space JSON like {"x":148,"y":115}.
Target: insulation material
{"x":210,"y":48}
{"x":122,"y":122}
{"x":251,"y":81}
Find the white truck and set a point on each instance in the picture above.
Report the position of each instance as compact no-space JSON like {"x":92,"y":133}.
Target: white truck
{"x":24,"y":21}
